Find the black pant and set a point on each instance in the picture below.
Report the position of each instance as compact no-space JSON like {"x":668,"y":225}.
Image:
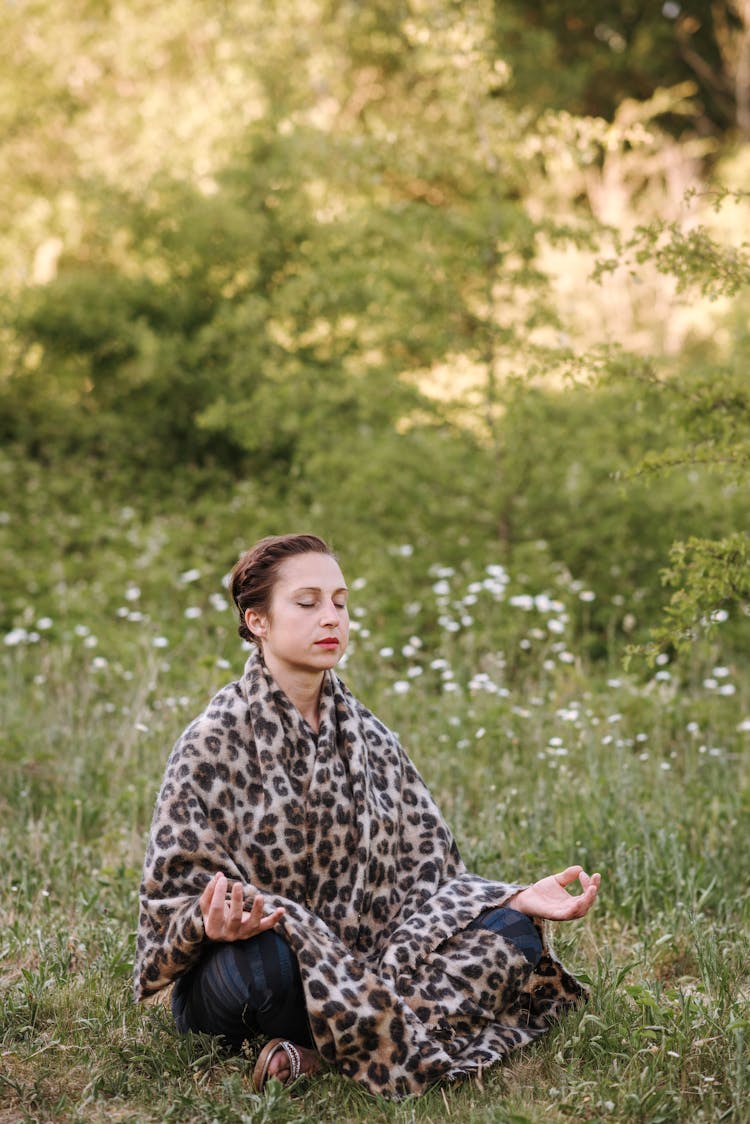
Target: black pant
{"x":243,"y":988}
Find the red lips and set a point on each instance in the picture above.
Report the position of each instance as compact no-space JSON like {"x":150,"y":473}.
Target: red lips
{"x":329,"y":642}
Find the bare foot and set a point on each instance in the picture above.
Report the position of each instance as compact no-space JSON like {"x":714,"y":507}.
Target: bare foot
{"x":280,"y":1068}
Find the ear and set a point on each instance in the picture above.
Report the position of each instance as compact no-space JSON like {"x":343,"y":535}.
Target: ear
{"x":256,"y":622}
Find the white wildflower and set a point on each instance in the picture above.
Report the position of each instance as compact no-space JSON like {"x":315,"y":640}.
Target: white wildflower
{"x":15,"y":637}
{"x":449,"y":624}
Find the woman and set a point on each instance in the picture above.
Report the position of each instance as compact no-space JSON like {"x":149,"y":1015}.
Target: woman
{"x":300,"y":882}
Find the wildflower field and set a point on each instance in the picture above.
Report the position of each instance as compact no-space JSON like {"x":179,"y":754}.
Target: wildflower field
{"x":539,"y":755}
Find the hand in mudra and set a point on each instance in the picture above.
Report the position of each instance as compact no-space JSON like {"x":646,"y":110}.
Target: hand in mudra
{"x":548,"y":898}
{"x":226,"y":919}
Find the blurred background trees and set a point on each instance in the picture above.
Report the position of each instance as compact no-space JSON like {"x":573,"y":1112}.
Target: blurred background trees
{"x":411,"y":270}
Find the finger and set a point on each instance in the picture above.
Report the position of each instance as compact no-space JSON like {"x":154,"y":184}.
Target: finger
{"x":207,"y":895}
{"x":272,"y":919}
{"x":213,"y":914}
{"x":216,"y":911}
{"x":234,"y":911}
{"x":586,"y":900}
{"x":256,"y":910}
{"x":565,"y":877}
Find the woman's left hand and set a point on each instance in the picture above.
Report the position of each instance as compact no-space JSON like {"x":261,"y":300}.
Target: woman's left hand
{"x":548,"y":898}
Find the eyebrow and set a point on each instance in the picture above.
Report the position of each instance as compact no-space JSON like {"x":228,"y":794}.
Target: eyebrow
{"x":317,"y":589}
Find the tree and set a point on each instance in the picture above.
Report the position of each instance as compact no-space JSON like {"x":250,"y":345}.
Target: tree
{"x":709,"y":403}
{"x":587,"y":58}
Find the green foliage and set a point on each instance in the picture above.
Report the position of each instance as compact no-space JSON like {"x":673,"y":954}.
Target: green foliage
{"x":591,"y":58}
{"x":707,"y":408}
{"x":710,"y":578}
{"x":694,"y":257}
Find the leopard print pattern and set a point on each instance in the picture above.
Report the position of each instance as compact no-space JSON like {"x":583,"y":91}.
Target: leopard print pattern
{"x":344,"y":834}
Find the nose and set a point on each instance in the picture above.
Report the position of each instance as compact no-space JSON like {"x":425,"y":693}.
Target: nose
{"x":330,"y":614}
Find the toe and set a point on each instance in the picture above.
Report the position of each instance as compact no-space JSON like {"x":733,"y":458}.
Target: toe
{"x":278,"y":1066}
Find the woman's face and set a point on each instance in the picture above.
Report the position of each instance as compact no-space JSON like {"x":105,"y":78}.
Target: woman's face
{"x":307,"y":626}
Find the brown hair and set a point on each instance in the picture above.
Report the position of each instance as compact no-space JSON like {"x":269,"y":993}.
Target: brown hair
{"x":256,"y":571}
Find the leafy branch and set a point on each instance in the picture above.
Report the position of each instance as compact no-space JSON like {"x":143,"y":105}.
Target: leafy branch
{"x":709,"y":578}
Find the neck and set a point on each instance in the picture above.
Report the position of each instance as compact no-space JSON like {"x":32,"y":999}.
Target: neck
{"x":301,"y":688}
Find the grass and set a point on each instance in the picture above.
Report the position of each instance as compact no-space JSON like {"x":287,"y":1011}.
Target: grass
{"x":537,"y":762}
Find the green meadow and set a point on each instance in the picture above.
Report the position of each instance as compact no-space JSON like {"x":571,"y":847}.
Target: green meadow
{"x":539,"y":757}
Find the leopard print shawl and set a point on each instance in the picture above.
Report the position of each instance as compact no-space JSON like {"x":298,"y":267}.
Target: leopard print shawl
{"x":345,"y":835}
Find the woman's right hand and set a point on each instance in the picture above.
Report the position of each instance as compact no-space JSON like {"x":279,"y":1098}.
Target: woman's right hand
{"x":226,"y":919}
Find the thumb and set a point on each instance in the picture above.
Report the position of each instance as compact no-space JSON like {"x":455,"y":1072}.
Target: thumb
{"x":565,"y":877}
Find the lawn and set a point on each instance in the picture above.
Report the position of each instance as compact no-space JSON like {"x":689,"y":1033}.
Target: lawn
{"x":538,"y":758}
